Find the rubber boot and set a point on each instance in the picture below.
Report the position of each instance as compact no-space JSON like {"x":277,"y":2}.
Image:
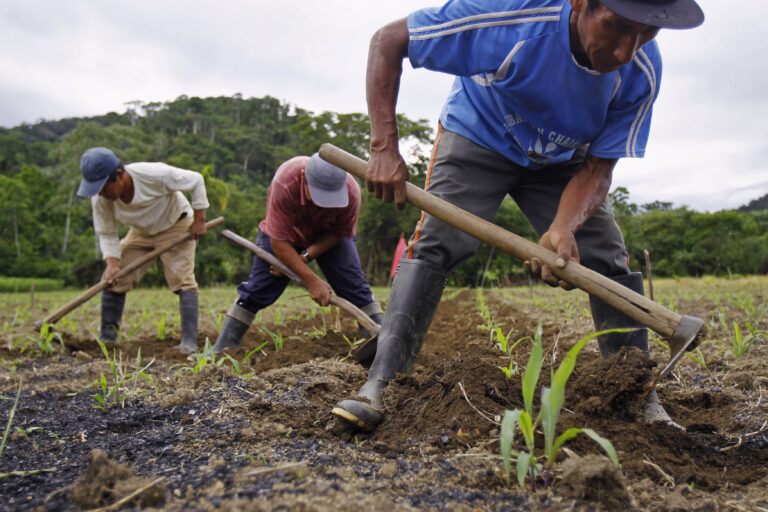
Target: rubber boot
{"x":188,"y":307}
{"x":112,"y":305}
{"x":607,"y":317}
{"x":415,"y":295}
{"x":237,"y":323}
{"x":374,"y":312}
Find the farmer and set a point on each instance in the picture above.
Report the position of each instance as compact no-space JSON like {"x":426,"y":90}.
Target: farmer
{"x":312,"y":210}
{"x":548,"y":95}
{"x":147,"y":196}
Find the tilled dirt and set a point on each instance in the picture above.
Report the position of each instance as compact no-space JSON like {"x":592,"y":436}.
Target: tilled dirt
{"x":265,"y":439}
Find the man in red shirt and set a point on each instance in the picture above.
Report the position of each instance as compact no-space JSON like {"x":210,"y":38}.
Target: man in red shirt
{"x":312,"y":211}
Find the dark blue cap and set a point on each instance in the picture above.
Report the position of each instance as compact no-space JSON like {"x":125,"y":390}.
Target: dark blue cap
{"x":96,"y":165}
{"x":659,"y":13}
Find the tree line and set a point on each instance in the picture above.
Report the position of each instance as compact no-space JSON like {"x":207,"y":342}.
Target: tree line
{"x":237,"y":144}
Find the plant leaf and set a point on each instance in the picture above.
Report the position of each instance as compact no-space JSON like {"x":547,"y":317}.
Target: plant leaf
{"x":526,"y":427}
{"x":523,"y":464}
{"x":508,"y":425}
{"x":532,"y":371}
{"x":604,"y":443}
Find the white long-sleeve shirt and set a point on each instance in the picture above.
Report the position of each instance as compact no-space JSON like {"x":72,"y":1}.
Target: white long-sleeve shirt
{"x":157,"y":203}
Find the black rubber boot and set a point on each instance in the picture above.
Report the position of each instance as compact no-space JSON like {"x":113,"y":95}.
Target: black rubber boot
{"x":607,"y":317}
{"x":188,"y":307}
{"x":237,"y":323}
{"x":415,"y":295}
{"x":112,"y":305}
{"x":374,"y":312}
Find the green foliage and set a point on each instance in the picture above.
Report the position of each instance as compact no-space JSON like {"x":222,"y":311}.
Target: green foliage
{"x":41,"y":343}
{"x":25,"y":284}
{"x":238,"y":366}
{"x":160,"y":325}
{"x":552,"y":400}
{"x":738,"y":342}
{"x":237,"y":144}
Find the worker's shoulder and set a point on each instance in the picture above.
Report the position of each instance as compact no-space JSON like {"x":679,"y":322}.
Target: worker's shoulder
{"x":291,"y":168}
{"x":151,"y":170}
{"x":523,"y":11}
{"x":522,"y":19}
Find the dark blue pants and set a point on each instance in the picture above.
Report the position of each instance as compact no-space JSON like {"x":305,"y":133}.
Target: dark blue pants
{"x":340,"y":266}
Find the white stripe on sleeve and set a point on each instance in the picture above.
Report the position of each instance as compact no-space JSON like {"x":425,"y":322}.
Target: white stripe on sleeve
{"x":645,"y":65}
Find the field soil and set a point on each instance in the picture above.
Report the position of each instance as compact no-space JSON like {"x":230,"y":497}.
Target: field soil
{"x":260,"y":435}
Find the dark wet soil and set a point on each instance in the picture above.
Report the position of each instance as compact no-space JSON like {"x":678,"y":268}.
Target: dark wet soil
{"x":264,"y":439}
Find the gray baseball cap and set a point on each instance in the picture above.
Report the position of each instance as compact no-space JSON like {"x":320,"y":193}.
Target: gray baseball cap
{"x":327,"y":183}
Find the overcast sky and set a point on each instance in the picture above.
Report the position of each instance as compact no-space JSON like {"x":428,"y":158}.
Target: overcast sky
{"x":709,"y":142}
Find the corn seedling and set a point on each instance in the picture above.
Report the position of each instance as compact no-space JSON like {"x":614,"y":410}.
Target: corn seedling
{"x":162,"y":328}
{"x":69,"y":324}
{"x":512,"y":369}
{"x":218,"y":320}
{"x":277,"y":316}
{"x":739,"y":343}
{"x":42,"y":343}
{"x":115,"y":393}
{"x":237,"y":366}
{"x":278,"y":339}
{"x":352,"y":342}
{"x":137,"y":323}
{"x":754,"y":313}
{"x":694,"y":355}
{"x":8,"y":329}
{"x":503,"y":340}
{"x":201,"y":360}
{"x":10,"y":420}
{"x":552,"y":400}
{"x":485,"y":313}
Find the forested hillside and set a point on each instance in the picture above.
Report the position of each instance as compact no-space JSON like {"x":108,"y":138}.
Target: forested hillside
{"x":237,"y":144}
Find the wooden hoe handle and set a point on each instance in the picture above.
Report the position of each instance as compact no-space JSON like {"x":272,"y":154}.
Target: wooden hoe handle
{"x":634,"y":305}
{"x":273,"y":260}
{"x":101,"y":285}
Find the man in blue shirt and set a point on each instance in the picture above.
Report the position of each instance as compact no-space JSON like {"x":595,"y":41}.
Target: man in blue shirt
{"x":548,"y":95}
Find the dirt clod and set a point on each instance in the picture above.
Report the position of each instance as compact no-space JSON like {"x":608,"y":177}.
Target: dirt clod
{"x":595,"y":478}
{"x":106,"y":481}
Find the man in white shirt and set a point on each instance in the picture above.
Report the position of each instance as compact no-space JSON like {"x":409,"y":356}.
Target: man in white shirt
{"x":148,"y":197}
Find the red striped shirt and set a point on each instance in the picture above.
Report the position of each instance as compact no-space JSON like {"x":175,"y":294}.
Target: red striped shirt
{"x":293,"y":218}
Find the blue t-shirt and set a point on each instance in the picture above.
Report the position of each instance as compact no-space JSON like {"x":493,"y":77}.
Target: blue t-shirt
{"x":520,"y":92}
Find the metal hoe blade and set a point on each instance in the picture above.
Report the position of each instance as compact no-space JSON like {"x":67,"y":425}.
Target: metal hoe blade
{"x":684,"y":336}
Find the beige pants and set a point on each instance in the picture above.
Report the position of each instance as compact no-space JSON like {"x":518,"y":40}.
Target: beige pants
{"x":178,"y":262}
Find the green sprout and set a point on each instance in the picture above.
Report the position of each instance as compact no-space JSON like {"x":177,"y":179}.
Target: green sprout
{"x":552,"y":400}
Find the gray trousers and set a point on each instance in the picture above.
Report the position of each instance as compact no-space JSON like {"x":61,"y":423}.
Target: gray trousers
{"x":477,"y":180}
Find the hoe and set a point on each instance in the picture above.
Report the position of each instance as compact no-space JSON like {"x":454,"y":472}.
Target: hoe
{"x":343,"y":304}
{"x":681,"y":331}
{"x":101,"y":285}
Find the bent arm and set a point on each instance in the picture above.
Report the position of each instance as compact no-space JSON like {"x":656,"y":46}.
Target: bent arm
{"x":325,"y":242}
{"x":583,"y":195}
{"x":319,"y":290}
{"x":387,"y":172}
{"x":187,"y":181}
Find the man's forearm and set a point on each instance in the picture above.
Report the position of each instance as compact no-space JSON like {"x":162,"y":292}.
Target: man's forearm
{"x":326,"y":241}
{"x":584,"y":193}
{"x":292,"y":259}
{"x":389,"y":46}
